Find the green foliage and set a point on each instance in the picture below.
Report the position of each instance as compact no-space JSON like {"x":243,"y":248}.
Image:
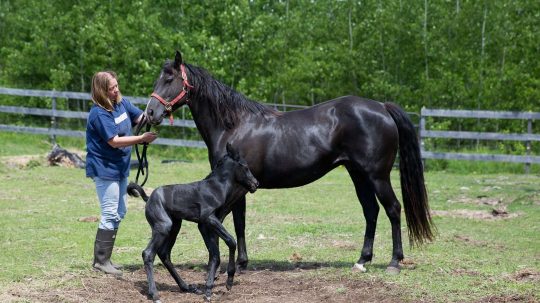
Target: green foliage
{"x":445,"y":54}
{"x":449,"y":54}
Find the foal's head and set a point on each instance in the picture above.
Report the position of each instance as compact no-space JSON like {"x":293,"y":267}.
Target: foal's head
{"x":233,"y":163}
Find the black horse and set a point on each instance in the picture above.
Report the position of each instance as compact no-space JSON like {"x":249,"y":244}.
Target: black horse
{"x":205,"y":202}
{"x":289,"y":149}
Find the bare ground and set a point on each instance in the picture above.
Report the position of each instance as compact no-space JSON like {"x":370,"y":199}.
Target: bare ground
{"x":258,"y":286}
{"x":264,"y":285}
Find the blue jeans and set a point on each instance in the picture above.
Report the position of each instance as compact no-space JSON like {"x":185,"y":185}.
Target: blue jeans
{"x":112,"y":197}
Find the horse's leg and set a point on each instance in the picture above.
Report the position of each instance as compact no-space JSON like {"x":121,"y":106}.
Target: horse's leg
{"x":239,"y":218}
{"x":220,"y":230}
{"x":370,"y":207}
{"x":164,"y":254}
{"x":210,"y":240}
{"x":387,"y":197}
{"x":148,"y":256}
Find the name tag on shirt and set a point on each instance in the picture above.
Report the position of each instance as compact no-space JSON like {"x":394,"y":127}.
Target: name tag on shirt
{"x":120,"y":118}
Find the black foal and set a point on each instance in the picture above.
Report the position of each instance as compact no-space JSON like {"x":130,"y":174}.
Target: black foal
{"x":205,"y":202}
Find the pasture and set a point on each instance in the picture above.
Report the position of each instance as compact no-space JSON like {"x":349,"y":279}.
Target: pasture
{"x":301,"y":242}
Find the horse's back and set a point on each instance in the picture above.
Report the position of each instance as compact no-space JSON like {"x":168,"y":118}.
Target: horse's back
{"x":300,"y":146}
{"x":354,"y":117}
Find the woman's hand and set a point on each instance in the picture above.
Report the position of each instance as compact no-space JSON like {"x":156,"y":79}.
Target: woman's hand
{"x":148,"y":137}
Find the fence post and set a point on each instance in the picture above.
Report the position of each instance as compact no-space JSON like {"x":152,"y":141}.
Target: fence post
{"x":528,"y":146}
{"x":421,"y":130}
{"x":53,"y":121}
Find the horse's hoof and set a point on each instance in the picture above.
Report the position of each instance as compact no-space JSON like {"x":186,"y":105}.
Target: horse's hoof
{"x":229,"y":284}
{"x":358,"y":268}
{"x":207,"y":298}
{"x":241,"y":265}
{"x":157,"y":301}
{"x":391,"y":270}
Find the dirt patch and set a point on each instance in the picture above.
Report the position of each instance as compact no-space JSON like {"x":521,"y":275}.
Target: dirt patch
{"x":526,"y":275}
{"x":479,"y":200}
{"x":21,"y":162}
{"x":508,"y":298}
{"x":264,"y":285}
{"x":494,"y":214}
{"x":468,"y":240}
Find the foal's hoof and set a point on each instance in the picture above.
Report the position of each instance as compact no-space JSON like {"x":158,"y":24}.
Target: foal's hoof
{"x":391,"y":270}
{"x":358,"y":268}
{"x":194,"y":290}
{"x":207,"y":298}
{"x":157,"y":301}
{"x":229,"y":284}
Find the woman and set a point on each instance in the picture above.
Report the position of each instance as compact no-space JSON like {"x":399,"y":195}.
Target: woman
{"x":108,"y":143}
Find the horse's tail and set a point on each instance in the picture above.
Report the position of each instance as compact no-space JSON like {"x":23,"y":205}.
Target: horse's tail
{"x":135,"y":190}
{"x":413,"y":189}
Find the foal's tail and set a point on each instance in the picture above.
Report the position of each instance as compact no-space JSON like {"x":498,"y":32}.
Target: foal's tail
{"x":135,"y":190}
{"x":413,"y":189}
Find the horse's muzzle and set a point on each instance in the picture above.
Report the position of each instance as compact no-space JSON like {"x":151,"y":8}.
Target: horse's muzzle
{"x":253,"y":187}
{"x":153,"y":119}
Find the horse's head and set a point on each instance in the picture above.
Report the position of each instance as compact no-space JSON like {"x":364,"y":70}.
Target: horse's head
{"x":236,"y":165}
{"x":171,"y":91}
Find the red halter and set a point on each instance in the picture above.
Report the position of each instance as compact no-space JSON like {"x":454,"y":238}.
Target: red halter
{"x":169,"y":105}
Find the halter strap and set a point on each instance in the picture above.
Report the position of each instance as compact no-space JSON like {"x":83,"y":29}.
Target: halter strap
{"x":185,"y":89}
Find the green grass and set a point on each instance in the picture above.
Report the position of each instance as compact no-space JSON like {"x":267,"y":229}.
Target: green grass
{"x":43,"y":239}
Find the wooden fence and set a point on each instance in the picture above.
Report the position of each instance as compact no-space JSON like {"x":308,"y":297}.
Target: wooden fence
{"x":526,"y":138}
{"x":53,"y":113}
{"x":424,"y":132}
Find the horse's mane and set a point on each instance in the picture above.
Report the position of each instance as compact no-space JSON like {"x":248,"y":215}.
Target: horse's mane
{"x":226,"y":104}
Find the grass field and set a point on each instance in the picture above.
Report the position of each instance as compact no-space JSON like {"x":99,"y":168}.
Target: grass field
{"x":487,"y":247}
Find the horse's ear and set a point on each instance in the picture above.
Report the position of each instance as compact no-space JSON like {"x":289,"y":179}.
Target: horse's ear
{"x":177,"y":60}
{"x":232,"y":152}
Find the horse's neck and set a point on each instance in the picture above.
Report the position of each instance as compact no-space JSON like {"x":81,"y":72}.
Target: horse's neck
{"x":229,"y":189}
{"x":209,"y":129}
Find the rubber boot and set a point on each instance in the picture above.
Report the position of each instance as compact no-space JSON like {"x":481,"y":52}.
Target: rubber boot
{"x":102,"y":252}
{"x":117,"y":266}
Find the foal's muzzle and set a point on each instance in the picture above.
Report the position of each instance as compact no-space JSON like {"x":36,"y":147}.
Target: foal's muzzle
{"x":253,"y":186}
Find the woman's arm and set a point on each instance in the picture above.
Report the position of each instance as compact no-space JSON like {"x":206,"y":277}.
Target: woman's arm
{"x":118,"y":142}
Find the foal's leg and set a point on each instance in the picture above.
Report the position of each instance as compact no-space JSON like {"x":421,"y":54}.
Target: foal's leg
{"x":164,"y":254}
{"x":149,"y":254}
{"x":239,"y":219}
{"x":220,"y":230}
{"x":387,"y":197}
{"x":370,"y":207}
{"x":210,"y":240}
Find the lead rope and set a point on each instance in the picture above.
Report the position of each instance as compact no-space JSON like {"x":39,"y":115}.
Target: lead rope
{"x":143,"y":161}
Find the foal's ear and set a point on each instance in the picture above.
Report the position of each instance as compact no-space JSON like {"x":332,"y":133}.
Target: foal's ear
{"x":232,"y":152}
{"x":177,"y":60}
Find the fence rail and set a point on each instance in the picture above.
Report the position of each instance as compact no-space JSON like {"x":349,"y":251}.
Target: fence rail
{"x":424,"y":133}
{"x":527,"y":137}
{"x":54,"y":113}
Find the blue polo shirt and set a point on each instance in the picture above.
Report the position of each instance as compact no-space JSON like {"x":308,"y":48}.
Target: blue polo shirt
{"x":103,"y":160}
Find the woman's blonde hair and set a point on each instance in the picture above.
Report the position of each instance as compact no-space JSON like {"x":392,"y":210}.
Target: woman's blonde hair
{"x":100,"y":88}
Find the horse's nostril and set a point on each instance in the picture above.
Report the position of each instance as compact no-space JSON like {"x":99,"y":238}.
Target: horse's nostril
{"x":150,"y":112}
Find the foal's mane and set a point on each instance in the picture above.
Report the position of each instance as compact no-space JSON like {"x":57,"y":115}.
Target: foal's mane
{"x":216,"y":168}
{"x":226,"y":105}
